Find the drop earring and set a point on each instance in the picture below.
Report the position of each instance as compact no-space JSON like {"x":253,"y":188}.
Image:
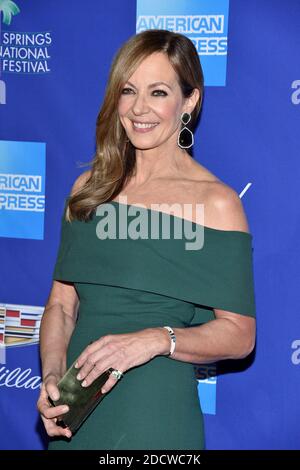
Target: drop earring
{"x":185,"y":136}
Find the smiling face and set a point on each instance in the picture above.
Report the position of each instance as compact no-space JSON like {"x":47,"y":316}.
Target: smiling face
{"x":151,"y":103}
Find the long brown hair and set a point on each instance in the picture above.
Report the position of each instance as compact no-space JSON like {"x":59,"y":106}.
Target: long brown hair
{"x":114,"y":161}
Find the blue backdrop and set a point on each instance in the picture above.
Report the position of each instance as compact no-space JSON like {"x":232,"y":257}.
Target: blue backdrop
{"x":55,"y":60}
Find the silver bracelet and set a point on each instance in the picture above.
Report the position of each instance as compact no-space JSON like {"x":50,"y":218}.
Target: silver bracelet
{"x":173,"y":339}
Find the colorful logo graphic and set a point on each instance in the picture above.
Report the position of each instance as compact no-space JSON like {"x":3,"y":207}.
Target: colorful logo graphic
{"x":22,"y":189}
{"x":207,"y":387}
{"x":205,"y":22}
{"x":19,"y":325}
{"x":8,"y":9}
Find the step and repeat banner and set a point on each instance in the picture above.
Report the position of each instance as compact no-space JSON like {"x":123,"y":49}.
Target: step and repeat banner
{"x":54,"y":63}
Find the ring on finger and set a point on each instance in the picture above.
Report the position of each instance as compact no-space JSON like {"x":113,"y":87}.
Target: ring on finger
{"x":117,"y":374}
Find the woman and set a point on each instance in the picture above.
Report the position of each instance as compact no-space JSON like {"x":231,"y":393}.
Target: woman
{"x":112,"y":298}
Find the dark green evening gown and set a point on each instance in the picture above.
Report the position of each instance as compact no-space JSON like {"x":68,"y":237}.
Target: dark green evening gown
{"x":126,"y":285}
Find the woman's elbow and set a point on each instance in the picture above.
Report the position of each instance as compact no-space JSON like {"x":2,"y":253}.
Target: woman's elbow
{"x":247,"y":345}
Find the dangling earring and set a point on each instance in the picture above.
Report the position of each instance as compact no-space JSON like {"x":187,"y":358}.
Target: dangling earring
{"x":185,"y":136}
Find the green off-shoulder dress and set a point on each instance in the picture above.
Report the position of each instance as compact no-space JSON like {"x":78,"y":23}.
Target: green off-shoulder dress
{"x":126,"y":284}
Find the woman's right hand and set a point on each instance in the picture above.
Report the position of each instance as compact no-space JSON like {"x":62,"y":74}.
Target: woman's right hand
{"x":50,"y":414}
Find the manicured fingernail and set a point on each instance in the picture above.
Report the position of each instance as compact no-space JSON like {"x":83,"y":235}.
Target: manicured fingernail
{"x":84,"y":383}
{"x":78,"y":377}
{"x":55,"y":396}
{"x":103,"y":390}
{"x":65,"y":409}
{"x":76,"y":365}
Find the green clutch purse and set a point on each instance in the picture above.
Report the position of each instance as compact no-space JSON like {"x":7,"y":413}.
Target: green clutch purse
{"x":80,"y":400}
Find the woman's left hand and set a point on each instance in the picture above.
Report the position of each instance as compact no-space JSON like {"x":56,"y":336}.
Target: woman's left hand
{"x":122,"y":352}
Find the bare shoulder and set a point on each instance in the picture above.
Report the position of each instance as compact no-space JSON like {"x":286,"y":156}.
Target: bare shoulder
{"x":80,"y":181}
{"x":223,"y":208}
